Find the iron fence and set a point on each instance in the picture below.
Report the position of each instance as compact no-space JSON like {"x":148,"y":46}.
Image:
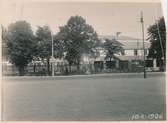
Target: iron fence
{"x":60,"y":69}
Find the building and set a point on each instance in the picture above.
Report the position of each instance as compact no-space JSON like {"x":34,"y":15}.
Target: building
{"x":131,"y":59}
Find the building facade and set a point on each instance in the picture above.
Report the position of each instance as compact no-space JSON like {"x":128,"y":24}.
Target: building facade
{"x":132,"y":57}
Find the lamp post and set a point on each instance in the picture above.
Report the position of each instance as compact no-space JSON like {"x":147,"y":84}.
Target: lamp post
{"x":52,"y":57}
{"x":142,"y":24}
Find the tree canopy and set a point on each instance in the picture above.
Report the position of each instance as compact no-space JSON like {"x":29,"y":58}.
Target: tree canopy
{"x":43,"y":37}
{"x":158,"y":28}
{"x":157,"y":38}
{"x":78,"y":38}
{"x":112,"y":47}
{"x":21,"y":44}
{"x":44,"y":45}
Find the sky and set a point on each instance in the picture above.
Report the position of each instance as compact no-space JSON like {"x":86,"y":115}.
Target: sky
{"x":107,"y":18}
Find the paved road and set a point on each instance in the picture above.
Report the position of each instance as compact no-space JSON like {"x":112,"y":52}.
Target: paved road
{"x":96,"y":98}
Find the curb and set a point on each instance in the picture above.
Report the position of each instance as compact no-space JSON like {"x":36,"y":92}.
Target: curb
{"x":92,"y":75}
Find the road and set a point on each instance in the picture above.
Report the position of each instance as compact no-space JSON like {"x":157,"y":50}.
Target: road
{"x":96,"y":98}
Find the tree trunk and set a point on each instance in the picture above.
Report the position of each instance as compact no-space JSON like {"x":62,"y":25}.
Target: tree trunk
{"x":34,"y":68}
{"x":21,"y":71}
{"x":48,"y":66}
{"x":70,"y":69}
{"x":78,"y":66}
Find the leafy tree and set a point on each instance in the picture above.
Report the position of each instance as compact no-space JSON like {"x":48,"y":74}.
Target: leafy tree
{"x":155,"y":50}
{"x":78,"y":38}
{"x":44,"y":47}
{"x":112,"y":47}
{"x":59,"y":47}
{"x":21,"y":44}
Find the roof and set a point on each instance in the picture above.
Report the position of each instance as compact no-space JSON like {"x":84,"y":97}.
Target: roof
{"x":121,"y":37}
{"x":127,"y":45}
{"x":129,"y":58}
{"x":127,"y":42}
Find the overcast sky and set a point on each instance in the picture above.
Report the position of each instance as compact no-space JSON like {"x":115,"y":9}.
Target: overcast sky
{"x":106,"y":18}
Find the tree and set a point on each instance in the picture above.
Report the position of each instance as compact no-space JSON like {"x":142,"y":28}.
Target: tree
{"x":21,"y":44}
{"x":59,"y":47}
{"x":78,"y":38}
{"x":112,"y":47}
{"x":156,"y":32}
{"x":44,"y":47}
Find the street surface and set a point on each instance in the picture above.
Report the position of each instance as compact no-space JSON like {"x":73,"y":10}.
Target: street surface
{"x":85,"y":98}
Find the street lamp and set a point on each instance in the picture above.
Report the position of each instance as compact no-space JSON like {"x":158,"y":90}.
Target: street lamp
{"x":142,"y":24}
{"x":52,"y":57}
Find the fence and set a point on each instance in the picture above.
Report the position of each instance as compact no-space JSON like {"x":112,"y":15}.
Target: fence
{"x":60,"y":69}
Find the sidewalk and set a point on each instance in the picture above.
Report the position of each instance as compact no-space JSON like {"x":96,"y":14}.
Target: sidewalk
{"x":112,"y":75}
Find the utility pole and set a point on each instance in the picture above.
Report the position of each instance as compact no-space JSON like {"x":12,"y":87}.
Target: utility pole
{"x":161,"y":45}
{"x":2,"y":83}
{"x":160,"y":40}
{"x":142,"y":24}
{"x":52,"y":58}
